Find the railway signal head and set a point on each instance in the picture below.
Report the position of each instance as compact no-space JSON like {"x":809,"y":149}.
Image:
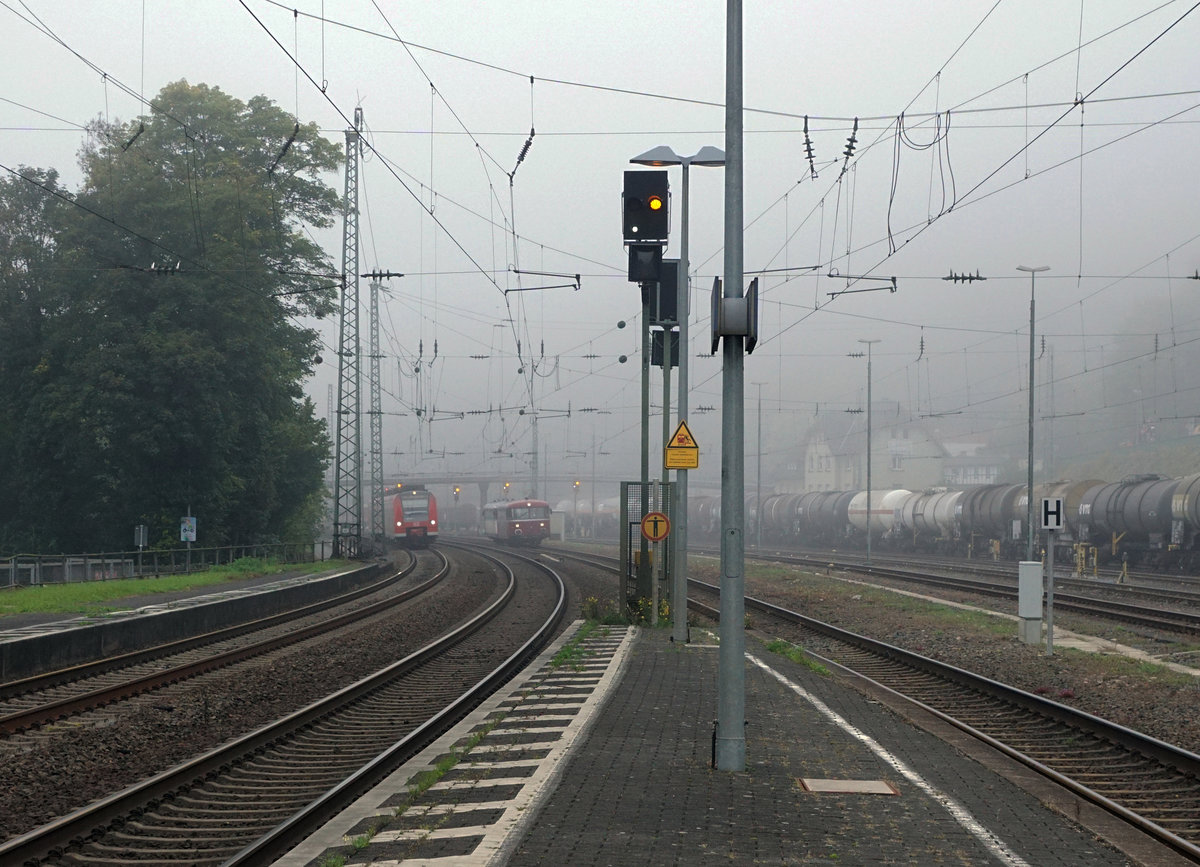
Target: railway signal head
{"x":646,"y":219}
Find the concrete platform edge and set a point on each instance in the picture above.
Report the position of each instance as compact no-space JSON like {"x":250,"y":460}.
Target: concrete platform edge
{"x":1105,"y":826}
{"x":334,"y":833}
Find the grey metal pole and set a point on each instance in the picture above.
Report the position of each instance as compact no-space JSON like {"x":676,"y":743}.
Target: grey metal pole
{"x":1033,"y":271}
{"x":869,"y":494}
{"x":1029,"y":457}
{"x":1050,"y":593}
{"x":758,"y":480}
{"x":644,"y":577}
{"x":682,"y":303}
{"x":731,"y":668}
{"x":662,"y":577}
{"x":666,"y":403}
{"x":534,"y":465}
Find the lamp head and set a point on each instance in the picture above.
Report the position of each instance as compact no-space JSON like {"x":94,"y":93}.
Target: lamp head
{"x":658,"y":157}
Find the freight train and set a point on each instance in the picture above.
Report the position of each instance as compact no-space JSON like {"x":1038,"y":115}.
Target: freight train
{"x":1146,"y":520}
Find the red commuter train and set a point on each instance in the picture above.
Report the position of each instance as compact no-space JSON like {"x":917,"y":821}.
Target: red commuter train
{"x":517,"y":522}
{"x":414,"y":518}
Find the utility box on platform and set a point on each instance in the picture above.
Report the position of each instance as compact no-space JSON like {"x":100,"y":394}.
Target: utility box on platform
{"x":1029,"y":602}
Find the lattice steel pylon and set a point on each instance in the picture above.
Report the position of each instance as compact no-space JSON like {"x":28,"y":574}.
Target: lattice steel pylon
{"x":348,"y":488}
{"x":376,"y":412}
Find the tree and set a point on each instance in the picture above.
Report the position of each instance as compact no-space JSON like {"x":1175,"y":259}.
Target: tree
{"x":168,"y":372}
{"x":30,"y":216}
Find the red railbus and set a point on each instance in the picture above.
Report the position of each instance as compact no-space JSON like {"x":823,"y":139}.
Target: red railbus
{"x":517,"y":522}
{"x":414,"y":518}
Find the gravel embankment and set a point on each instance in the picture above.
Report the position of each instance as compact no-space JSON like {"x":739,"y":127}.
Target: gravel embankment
{"x":1150,"y":699}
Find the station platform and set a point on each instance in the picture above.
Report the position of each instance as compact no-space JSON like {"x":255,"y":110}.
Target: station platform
{"x":608,"y":761}
{"x":32,"y":643}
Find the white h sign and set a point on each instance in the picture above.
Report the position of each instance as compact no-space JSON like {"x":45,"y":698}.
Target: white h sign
{"x":1054,"y":513}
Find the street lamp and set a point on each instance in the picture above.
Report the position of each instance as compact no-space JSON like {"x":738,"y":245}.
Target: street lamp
{"x":659,"y":157}
{"x":1033,"y":272}
{"x":575,"y":511}
{"x":869,"y":342}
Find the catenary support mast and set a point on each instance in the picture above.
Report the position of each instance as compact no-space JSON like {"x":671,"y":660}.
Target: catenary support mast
{"x":348,"y":505}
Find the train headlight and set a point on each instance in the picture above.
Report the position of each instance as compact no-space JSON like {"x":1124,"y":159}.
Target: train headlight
{"x":433,"y":521}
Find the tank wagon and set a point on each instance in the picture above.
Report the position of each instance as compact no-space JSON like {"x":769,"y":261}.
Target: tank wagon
{"x":1141,"y":519}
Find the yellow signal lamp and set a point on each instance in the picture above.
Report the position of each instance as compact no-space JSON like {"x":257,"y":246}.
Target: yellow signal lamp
{"x":655,"y":203}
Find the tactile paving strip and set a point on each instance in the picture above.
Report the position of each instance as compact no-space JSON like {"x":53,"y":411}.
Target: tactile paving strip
{"x":510,"y":751}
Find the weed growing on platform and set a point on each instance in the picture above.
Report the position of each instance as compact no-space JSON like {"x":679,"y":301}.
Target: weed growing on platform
{"x":797,"y":655}
{"x":643,"y":612}
{"x":415,"y":789}
{"x":356,"y":844}
{"x":602,"y":612}
{"x":573,"y":653}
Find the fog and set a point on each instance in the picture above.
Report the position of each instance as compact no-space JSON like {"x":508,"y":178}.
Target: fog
{"x":1030,"y":136}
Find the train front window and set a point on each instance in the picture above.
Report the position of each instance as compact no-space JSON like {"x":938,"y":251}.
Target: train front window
{"x":416,"y":509}
{"x":529,"y":513}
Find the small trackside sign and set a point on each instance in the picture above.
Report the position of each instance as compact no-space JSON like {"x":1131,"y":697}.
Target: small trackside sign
{"x":682,"y":451}
{"x":1054,"y":513}
{"x":656,"y":526}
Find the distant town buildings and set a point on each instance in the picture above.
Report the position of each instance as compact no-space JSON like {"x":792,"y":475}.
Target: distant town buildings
{"x":905,"y":453}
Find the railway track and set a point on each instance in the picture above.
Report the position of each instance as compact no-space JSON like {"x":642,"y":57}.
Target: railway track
{"x":1153,"y":786}
{"x":1168,"y":588}
{"x":1181,"y":621}
{"x":251,"y":799}
{"x":1001,"y":586}
{"x":58,"y":695}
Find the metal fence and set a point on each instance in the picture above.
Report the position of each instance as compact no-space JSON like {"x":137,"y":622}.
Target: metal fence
{"x":26,"y":570}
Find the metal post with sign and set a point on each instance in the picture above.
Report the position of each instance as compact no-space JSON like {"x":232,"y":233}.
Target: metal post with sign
{"x":655,"y":527}
{"x":187,"y":533}
{"x":141,"y":538}
{"x":1053,"y":510}
{"x":682,"y":451}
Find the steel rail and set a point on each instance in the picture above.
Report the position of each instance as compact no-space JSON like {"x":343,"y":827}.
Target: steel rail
{"x":83,"y":670}
{"x":1185,"y":762}
{"x":74,"y":704}
{"x":284,"y":836}
{"x":89,"y":822}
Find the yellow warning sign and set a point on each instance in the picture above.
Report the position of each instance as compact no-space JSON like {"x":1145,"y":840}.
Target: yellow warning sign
{"x":682,"y":438}
{"x":682,"y":451}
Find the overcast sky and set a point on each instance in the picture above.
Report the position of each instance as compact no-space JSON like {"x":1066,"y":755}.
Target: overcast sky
{"x":1033,"y":133}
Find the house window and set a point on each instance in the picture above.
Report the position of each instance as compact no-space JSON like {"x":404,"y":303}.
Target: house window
{"x":897,"y":462}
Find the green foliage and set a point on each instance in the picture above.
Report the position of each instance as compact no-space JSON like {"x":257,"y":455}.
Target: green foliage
{"x":97,"y":596}
{"x":572,"y":654}
{"x":796,"y":654}
{"x":150,"y":356}
{"x":606,"y":612}
{"x":643,"y":612}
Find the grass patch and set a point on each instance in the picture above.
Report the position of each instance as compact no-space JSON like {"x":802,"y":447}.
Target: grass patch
{"x":797,"y":655}
{"x":1135,"y":671}
{"x":572,"y":654}
{"x":836,"y":592}
{"x":92,"y":597}
{"x":420,"y":783}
